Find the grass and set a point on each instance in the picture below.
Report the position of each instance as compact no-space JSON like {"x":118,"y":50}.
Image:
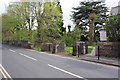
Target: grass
{"x":36,"y":47}
{"x":70,"y":49}
{"x":90,"y":48}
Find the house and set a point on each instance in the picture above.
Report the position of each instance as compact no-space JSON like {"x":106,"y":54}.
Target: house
{"x":115,"y":10}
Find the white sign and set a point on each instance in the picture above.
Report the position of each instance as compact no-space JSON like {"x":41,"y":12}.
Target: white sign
{"x":103,"y":36}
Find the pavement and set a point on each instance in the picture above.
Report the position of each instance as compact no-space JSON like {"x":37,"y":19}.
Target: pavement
{"x":102,"y":60}
{"x":26,"y":63}
{"x":91,"y":58}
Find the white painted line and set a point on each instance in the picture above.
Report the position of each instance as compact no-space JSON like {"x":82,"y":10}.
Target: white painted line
{"x":12,"y":50}
{"x":5,"y":71}
{"x":3,"y":74}
{"x":28,"y":57}
{"x":66,"y":72}
{"x":46,"y":53}
{"x":80,"y":60}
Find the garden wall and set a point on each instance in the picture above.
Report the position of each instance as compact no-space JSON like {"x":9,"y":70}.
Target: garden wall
{"x":18,"y":43}
{"x":53,"y":47}
{"x":108,"y":49}
{"x":80,"y":48}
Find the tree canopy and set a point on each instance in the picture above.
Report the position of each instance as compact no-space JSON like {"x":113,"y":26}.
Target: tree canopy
{"x":113,"y":28}
{"x":89,"y":15}
{"x":22,"y":17}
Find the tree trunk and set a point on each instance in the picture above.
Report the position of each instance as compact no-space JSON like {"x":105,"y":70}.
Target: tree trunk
{"x":92,"y":31}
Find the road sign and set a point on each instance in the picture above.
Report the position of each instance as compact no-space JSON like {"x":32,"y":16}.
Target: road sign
{"x":103,"y":36}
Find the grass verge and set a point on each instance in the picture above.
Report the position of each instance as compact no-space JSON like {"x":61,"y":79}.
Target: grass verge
{"x":70,"y":49}
{"x":36,"y":47}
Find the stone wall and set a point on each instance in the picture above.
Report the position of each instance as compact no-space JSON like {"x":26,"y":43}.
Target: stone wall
{"x":46,"y":47}
{"x":53,"y":47}
{"x":79,"y":48}
{"x":108,"y":49}
{"x":18,"y":43}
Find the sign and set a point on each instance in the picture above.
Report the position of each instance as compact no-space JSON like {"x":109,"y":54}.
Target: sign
{"x":103,"y":36}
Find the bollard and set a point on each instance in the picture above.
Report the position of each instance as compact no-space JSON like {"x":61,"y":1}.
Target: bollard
{"x":98,"y":54}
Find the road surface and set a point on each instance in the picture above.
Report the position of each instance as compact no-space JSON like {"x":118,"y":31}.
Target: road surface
{"x":26,"y":63}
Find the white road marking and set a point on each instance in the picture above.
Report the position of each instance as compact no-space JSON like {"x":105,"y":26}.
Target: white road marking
{"x":80,"y":60}
{"x":74,"y":59}
{"x":12,"y":50}
{"x":5,"y":71}
{"x":66,"y":72}
{"x":28,"y":57}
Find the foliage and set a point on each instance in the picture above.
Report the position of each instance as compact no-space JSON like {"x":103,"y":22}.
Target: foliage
{"x":83,"y":38}
{"x":71,"y":37}
{"x":19,"y":35}
{"x":113,"y":28}
{"x":90,"y":14}
{"x":19,"y":21}
{"x":69,"y":28}
{"x":9,"y":23}
{"x":49,"y":27}
{"x":37,"y":47}
{"x":69,"y":49}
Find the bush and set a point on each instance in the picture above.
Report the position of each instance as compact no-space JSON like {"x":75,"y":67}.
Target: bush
{"x":71,"y":37}
{"x":37,"y":47}
{"x":113,"y":28}
{"x":19,"y":35}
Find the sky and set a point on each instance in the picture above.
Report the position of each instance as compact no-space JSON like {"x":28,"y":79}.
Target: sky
{"x":66,"y":7}
{"x":68,"y":4}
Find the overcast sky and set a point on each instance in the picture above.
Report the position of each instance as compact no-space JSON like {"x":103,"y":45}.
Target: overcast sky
{"x":66,"y":7}
{"x":68,"y":4}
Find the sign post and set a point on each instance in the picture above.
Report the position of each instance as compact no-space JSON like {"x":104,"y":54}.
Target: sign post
{"x":103,"y":37}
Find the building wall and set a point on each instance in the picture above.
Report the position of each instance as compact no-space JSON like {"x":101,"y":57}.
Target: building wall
{"x":115,"y":10}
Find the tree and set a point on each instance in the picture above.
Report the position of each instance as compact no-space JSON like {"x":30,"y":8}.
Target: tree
{"x":70,"y":37}
{"x":9,"y":24}
{"x":62,"y":30}
{"x":90,"y":14}
{"x":18,"y":20}
{"x":21,"y":10}
{"x":69,"y":28}
{"x":11,"y":29}
{"x":50,"y":23}
{"x":113,"y":28}
{"x":23,"y":15}
{"x":92,"y":18}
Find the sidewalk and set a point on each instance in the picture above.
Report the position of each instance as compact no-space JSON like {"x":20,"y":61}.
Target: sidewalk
{"x":91,"y":58}
{"x":102,"y":60}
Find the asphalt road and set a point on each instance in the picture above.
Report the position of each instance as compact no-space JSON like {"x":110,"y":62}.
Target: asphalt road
{"x":25,"y":63}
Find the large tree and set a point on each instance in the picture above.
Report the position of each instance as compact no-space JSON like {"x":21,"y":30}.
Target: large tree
{"x":22,"y":11}
{"x":90,"y":14}
{"x":11,"y":29}
{"x":25,"y":15}
{"x":49,"y":22}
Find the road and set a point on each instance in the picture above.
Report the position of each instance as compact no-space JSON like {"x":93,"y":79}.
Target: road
{"x":26,"y":63}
